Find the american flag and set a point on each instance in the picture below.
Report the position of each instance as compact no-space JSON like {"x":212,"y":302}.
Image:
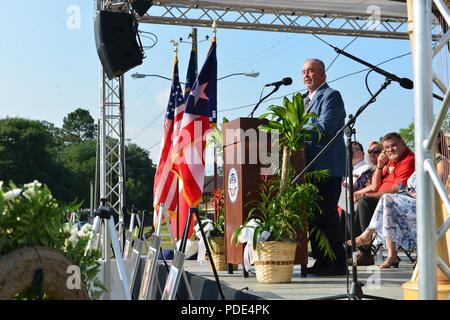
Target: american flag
{"x":200,"y":112}
{"x":165,"y":188}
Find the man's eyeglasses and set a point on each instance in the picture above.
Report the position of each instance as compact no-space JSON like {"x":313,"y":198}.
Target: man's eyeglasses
{"x":374,"y":151}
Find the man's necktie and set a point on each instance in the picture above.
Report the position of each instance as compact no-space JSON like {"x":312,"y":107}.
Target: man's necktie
{"x":307,"y":102}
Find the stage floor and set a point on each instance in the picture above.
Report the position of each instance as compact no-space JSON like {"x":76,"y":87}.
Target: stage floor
{"x":378,"y":282}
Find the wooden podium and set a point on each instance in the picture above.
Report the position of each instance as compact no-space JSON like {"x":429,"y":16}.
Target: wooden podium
{"x":243,"y":172}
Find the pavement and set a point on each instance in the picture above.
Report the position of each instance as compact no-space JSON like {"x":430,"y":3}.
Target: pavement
{"x":383,"y":283}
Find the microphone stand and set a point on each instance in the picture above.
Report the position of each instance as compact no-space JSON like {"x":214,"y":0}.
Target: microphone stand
{"x":404,"y":82}
{"x":259,"y":102}
{"x":356,"y":292}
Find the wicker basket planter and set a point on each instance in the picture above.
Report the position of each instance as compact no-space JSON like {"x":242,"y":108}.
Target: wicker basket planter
{"x":274,"y":261}
{"x":218,"y":252}
{"x":217,"y":246}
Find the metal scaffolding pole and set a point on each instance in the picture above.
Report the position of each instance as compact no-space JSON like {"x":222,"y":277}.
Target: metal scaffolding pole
{"x":106,"y":254}
{"x":423,"y":112}
{"x":112,"y":150}
{"x":112,"y":144}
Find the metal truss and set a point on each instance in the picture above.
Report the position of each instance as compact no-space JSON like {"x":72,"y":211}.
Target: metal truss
{"x":112,"y":150}
{"x":111,"y":154}
{"x":426,"y":131}
{"x":190,"y":14}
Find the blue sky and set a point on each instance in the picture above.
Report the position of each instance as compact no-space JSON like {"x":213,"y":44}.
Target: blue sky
{"x":50,"y":70}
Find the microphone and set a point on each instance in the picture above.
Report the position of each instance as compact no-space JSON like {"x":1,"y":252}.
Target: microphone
{"x":286,"y":81}
{"x":406,"y":83}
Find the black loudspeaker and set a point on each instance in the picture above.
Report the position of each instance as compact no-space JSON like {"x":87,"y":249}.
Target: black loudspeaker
{"x":117,"y":44}
{"x":142,"y":6}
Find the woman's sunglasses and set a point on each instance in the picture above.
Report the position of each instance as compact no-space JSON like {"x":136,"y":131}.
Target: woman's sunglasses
{"x":374,"y":151}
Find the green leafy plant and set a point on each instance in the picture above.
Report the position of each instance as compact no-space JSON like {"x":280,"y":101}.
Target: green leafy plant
{"x":294,"y":127}
{"x":30,"y":216}
{"x":283,"y":214}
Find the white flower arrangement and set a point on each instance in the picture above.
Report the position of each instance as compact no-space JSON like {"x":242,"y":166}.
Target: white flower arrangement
{"x":31,"y":216}
{"x":8,"y":196}
{"x":76,"y":233}
{"x":33,"y":188}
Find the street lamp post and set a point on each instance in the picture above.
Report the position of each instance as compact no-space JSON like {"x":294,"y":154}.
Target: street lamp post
{"x":141,"y":76}
{"x":252,"y":74}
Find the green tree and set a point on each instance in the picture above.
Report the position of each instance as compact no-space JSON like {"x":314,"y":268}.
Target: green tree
{"x":80,"y":160}
{"x":408,"y":135}
{"x":140,"y":177}
{"x":27,"y":153}
{"x":79,"y":126}
{"x":37,"y":150}
{"x":57,"y":133}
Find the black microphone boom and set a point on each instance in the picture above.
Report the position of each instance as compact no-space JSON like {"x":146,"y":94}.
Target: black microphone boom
{"x":286,"y":81}
{"x":404,"y":82}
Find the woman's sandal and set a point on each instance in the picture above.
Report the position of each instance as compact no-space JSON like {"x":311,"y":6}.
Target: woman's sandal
{"x":361,"y":241}
{"x":390,"y":262}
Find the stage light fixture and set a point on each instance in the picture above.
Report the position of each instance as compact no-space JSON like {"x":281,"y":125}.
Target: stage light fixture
{"x":142,"y":6}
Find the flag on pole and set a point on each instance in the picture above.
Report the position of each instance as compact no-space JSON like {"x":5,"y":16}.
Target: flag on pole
{"x":165,"y":187}
{"x":178,"y":222}
{"x":191,"y":73}
{"x":200,"y":113}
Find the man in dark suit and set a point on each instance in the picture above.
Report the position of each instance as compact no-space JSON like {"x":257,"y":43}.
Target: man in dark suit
{"x":328,"y":105}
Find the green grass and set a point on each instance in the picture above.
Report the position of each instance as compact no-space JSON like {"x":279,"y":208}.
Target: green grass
{"x":165,"y":235}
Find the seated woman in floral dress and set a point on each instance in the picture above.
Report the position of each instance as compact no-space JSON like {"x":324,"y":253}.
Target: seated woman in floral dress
{"x":394,"y":220}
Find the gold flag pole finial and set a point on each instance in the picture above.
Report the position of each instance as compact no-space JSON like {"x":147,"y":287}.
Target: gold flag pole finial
{"x":175,"y":44}
{"x":214,"y":25}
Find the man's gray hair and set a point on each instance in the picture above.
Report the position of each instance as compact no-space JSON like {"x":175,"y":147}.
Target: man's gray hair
{"x":320,"y":62}
{"x":393,"y":136}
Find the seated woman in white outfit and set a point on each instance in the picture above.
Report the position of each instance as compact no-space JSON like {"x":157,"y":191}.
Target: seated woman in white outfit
{"x":374,"y":150}
{"x":362,"y":173}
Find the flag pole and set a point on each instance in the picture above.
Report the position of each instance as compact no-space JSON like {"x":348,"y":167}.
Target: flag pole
{"x":214,"y":26}
{"x":175,"y":44}
{"x":216,"y":213}
{"x":194,"y":47}
{"x":177,"y":236}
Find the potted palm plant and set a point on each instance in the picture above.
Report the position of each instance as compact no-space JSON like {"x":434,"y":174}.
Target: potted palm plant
{"x":283,"y":209}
